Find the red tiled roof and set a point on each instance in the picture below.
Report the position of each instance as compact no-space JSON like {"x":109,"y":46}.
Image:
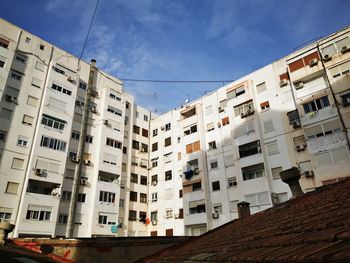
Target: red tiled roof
{"x":314,"y":227}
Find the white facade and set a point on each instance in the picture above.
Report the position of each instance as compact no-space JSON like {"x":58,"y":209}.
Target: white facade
{"x":180,"y":173}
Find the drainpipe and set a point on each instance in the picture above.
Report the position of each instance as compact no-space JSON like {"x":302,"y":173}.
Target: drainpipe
{"x":81,"y":150}
{"x":333,"y":95}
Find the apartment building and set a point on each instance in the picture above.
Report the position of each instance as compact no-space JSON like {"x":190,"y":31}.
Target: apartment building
{"x":78,"y":157}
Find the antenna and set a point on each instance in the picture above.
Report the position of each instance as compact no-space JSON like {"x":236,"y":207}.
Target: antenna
{"x":155,"y":101}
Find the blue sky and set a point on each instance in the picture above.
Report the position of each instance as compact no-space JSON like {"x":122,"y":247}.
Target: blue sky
{"x":178,"y":39}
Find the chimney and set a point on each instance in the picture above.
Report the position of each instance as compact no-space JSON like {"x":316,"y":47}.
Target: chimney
{"x":243,"y":209}
{"x":291,"y":177}
{"x":93,"y":62}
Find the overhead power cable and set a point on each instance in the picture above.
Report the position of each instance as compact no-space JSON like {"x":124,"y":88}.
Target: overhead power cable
{"x":176,"y":81}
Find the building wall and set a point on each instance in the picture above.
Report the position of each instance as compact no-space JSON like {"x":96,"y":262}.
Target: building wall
{"x":179,"y":173}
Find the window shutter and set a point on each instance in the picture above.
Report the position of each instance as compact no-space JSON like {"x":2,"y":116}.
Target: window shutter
{"x":261,"y":87}
{"x":225,"y":120}
{"x":331,"y":125}
{"x":196,"y":146}
{"x":343,"y":42}
{"x":345,"y":67}
{"x":272,"y":148}
{"x":313,"y":130}
{"x":17,"y":163}
{"x":330,"y":50}
{"x":268,"y":126}
{"x":324,"y":159}
{"x":12,"y":188}
{"x":210,"y":126}
{"x":340,"y":155}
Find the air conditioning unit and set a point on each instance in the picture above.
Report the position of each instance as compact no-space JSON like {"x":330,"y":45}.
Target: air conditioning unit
{"x":296,"y":123}
{"x":83,"y":181}
{"x":299,"y":85}
{"x":327,"y":58}
{"x":10,"y":98}
{"x":177,"y":215}
{"x":345,"y":49}
{"x":300,"y":147}
{"x":309,"y":173}
{"x":154,"y":222}
{"x":75,"y":159}
{"x":105,"y":122}
{"x":154,"y":183}
{"x":250,"y":112}
{"x":39,"y":172}
{"x":220,"y":109}
{"x":162,"y":128}
{"x":78,"y":103}
{"x":196,"y":170}
{"x":346,"y":102}
{"x":313,"y":62}
{"x":143,"y":165}
{"x":142,"y":150}
{"x":87,"y":162}
{"x":283,"y":82}
{"x":243,"y":115}
{"x":93,"y":109}
{"x":94,"y":93}
{"x":70,"y":78}
{"x":215,"y":215}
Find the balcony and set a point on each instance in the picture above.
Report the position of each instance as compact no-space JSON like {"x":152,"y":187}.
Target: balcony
{"x":320,"y":115}
{"x":327,"y":142}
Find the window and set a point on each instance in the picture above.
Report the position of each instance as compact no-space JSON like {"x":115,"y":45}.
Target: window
{"x":154,"y":197}
{"x":244,"y":129}
{"x":137,"y":114}
{"x":193,"y":147}
{"x":244,"y":109}
{"x":82,"y":85}
{"x":36,"y":82}
{"x":61,"y":89}
{"x":62,"y":218}
{"x":134,"y":178}
{"x":127,"y":105}
{"x":52,"y":122}
{"x":154,"y":216}
{"x":22,"y":141}
{"x":213,"y":165}
{"x":12,"y":188}
{"x":208,"y":110}
{"x":179,"y":156}
{"x":249,"y":149}
{"x":52,"y":143}
{"x":212,"y":145}
{"x":107,"y":197}
{"x":144,"y":133}
{"x":233,"y":206}
{"x":4,"y":43}
{"x":143,"y":180}
{"x":81,"y":198}
{"x":66,"y":195}
{"x":28,"y":40}
{"x":168,"y":194}
{"x":135,"y":145}
{"x":143,"y":198}
{"x":216,"y":185}
{"x":75,"y":135}
{"x":2,"y":135}
{"x":276,"y":172}
{"x":217,"y":208}
{"x":114,"y":110}
{"x":133,"y":196}
{"x":145,"y":117}
{"x":42,"y":47}
{"x":154,"y":163}
{"x":167,"y":157}
{"x":102,"y":219}
{"x":154,"y":147}
{"x":232,"y":181}
{"x":235,"y":93}
{"x":196,"y":207}
{"x":265,"y":106}
{"x":121,"y":203}
{"x":225,"y":121}
{"x":268,"y":126}
{"x":154,"y":179}
{"x":155,"y":132}
{"x":253,"y":171}
{"x":192,"y":129}
{"x":57,"y":104}
{"x":113,"y":143}
{"x":316,"y":105}
{"x":27,"y":120}
{"x":17,"y":163}
{"x":125,"y":150}
{"x":167,"y":126}
{"x":144,"y":148}
{"x":258,"y":199}
{"x":167,"y":141}
{"x":132,"y":215}
{"x":136,"y":129}
{"x":330,"y":127}
{"x":168,"y":175}
{"x":180,"y":193}
{"x":210,"y":126}
{"x":89,"y":139}
{"x":2,"y":61}
{"x":272,"y":148}
{"x":168,"y":213}
{"x":196,"y":186}
{"x":112,"y":95}
{"x":32,"y":101}
{"x":16,"y":75}
{"x":40,"y":66}
{"x":6,"y":114}
{"x":40,"y":213}
{"x":261,"y":87}
{"x":341,"y":69}
{"x":5,"y":214}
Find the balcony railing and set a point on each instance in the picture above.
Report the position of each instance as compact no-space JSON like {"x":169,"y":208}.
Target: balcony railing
{"x":327,"y":142}
{"x":320,"y":115}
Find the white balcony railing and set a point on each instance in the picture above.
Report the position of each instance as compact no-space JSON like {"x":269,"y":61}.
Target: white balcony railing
{"x":327,"y":142}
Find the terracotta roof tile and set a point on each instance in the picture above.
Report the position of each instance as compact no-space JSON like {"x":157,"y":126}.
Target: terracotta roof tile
{"x":312,"y":228}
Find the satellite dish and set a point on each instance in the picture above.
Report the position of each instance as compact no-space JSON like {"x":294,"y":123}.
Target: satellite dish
{"x":187,"y":100}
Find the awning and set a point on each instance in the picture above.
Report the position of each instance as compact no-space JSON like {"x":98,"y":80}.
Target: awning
{"x":194,"y":204}
{"x":192,"y":182}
